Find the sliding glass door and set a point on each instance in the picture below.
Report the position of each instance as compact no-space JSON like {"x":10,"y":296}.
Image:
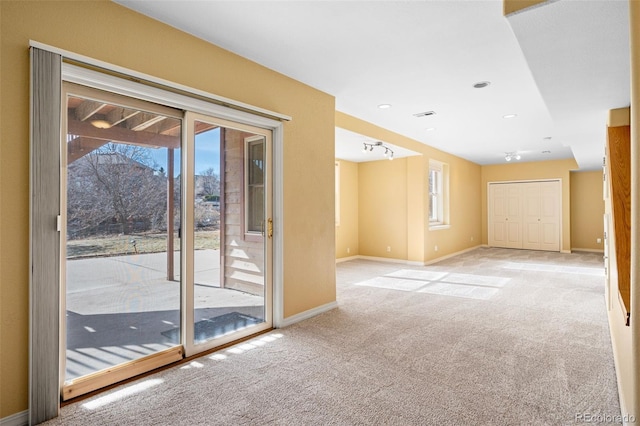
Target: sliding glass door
{"x":122,"y":215}
{"x":228,"y":290}
{"x":167,"y":222}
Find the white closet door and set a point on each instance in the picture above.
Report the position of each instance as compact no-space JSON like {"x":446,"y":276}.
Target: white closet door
{"x":525,"y":215}
{"x":532,"y":225}
{"x":505,"y":216}
{"x":550,"y":216}
{"x":497,"y":215}
{"x":514,"y":215}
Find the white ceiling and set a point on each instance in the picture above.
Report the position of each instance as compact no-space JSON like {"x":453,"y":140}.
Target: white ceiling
{"x":349,"y":147}
{"x":560,"y":68}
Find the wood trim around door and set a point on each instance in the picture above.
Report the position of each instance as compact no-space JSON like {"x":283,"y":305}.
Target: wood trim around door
{"x":120,"y":372}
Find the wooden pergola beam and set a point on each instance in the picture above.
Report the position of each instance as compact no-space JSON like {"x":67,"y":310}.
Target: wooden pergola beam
{"x":122,"y":135}
{"x":81,"y":146}
{"x":143,"y":121}
{"x":87,"y":108}
{"x":120,"y":114}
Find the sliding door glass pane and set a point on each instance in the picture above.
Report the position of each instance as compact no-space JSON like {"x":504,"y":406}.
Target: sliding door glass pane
{"x":229,"y":211}
{"x":122,"y":234}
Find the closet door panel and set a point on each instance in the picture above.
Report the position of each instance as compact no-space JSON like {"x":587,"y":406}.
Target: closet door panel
{"x":550,"y":215}
{"x":531,"y":215}
{"x":514,"y":215}
{"x":497,"y":216}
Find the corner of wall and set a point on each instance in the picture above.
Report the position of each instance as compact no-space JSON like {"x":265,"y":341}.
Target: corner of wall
{"x":511,"y":7}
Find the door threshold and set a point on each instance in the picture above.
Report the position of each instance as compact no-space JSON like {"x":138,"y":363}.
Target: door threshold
{"x":173,"y":364}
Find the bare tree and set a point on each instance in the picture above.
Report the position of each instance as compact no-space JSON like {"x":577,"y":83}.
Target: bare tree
{"x":116,"y":183}
{"x":210,"y":182}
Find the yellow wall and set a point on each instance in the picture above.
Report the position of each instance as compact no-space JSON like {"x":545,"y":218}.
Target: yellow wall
{"x":114,"y":34}
{"x":587,"y":210}
{"x":383,"y":208}
{"x":418,"y":242}
{"x":532,"y":171}
{"x":416,"y":208}
{"x":513,"y":6}
{"x":465,"y":205}
{"x":347,"y":237}
{"x":368,"y":218}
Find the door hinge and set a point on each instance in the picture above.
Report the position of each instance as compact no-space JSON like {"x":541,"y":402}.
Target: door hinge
{"x":270,"y":228}
{"x":59,"y":223}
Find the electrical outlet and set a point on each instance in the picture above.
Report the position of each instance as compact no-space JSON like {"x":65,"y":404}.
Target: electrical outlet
{"x":388,"y":249}
{"x":348,"y":250}
{"x":599,"y":240}
{"x":435,"y":248}
{"x":471,"y":238}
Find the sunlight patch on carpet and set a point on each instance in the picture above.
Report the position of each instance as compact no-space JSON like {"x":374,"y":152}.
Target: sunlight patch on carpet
{"x":417,"y":275}
{"x":480,"y":287}
{"x":471,"y":279}
{"x":393,"y":283}
{"x":121,"y":394}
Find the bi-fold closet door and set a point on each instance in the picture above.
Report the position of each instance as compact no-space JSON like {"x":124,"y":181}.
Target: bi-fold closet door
{"x":525,"y":215}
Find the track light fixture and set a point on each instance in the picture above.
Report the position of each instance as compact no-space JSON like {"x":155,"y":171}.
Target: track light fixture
{"x":508,"y":156}
{"x":388,"y":152}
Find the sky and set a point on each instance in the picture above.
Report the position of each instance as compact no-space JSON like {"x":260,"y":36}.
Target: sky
{"x":207,"y":153}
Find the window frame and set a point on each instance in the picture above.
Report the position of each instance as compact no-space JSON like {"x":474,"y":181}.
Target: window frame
{"x":439,"y":194}
{"x":250,"y":235}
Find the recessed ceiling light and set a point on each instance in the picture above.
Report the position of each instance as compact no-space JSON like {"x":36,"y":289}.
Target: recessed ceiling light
{"x":384,"y":106}
{"x":510,"y":116}
{"x":430,"y":129}
{"x":481,"y":84}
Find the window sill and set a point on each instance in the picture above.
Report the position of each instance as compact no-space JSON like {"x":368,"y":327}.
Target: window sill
{"x":438,"y":227}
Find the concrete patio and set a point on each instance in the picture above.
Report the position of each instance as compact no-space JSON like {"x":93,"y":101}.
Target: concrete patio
{"x":122,"y":308}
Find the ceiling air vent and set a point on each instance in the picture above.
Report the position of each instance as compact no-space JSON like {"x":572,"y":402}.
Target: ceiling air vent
{"x":424,"y":114}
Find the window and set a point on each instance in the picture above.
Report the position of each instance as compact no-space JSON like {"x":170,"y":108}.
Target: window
{"x":254,"y":185}
{"x":438,"y":193}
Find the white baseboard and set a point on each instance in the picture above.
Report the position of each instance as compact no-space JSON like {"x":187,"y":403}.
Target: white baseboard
{"x":407,"y":262}
{"x":17,"y":419}
{"x":390,"y":260}
{"x":307,"y":314}
{"x":587,"y":250}
{"x":439,"y":259}
{"x":346,"y":259}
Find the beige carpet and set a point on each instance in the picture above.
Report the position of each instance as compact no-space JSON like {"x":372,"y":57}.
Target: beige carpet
{"x":490,"y":337}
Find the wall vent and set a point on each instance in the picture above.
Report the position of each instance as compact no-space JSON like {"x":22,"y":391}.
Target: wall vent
{"x":424,"y":114}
